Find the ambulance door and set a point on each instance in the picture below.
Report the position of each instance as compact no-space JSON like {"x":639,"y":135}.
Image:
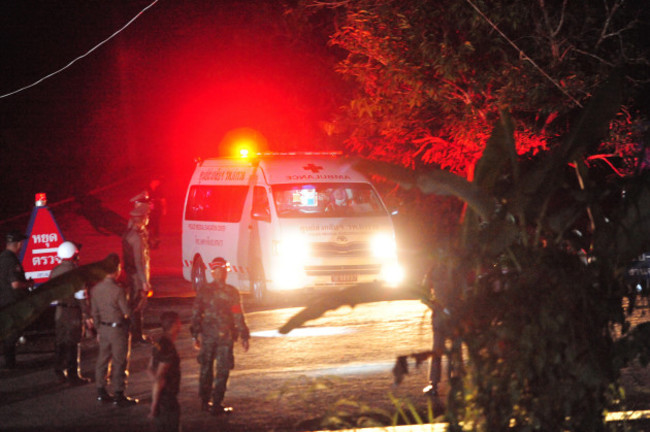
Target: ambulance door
{"x":241,"y":266}
{"x":260,"y":244}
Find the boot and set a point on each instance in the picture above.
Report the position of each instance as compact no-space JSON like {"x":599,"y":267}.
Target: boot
{"x":206,"y":405}
{"x":217,"y":410}
{"x":123,"y":401}
{"x":431,"y":390}
{"x":103,"y":396}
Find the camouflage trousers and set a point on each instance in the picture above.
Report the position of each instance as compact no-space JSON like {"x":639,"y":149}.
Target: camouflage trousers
{"x":211,"y":385}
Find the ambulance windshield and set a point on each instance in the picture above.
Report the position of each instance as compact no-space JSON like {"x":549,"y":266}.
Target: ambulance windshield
{"x":320,"y":200}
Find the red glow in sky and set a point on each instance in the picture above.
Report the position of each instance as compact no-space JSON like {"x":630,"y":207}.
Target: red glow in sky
{"x":205,"y":115}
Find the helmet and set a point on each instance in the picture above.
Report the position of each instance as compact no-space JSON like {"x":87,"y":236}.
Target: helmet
{"x":219,"y":262}
{"x":67,"y":250}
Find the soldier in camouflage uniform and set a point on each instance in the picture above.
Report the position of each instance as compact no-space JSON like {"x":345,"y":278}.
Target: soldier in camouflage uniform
{"x":71,"y":314}
{"x":218,"y":318}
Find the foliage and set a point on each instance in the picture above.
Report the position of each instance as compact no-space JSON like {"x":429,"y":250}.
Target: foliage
{"x":430,"y":79}
{"x":536,"y":282}
{"x":520,"y":104}
{"x":340,"y":414}
{"x":432,"y":76}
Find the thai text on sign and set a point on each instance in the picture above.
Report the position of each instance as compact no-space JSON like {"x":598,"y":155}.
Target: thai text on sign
{"x":38,"y":255}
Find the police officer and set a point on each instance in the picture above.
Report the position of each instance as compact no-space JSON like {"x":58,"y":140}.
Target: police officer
{"x":217,"y":321}
{"x":71,"y":314}
{"x":135,"y":252}
{"x":111,"y":311}
{"x":13,"y":286}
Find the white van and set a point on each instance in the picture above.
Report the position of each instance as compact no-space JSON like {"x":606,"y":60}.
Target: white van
{"x":287,"y":222}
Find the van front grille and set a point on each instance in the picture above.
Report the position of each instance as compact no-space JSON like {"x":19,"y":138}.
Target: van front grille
{"x":351,"y":249}
{"x":326,"y":270}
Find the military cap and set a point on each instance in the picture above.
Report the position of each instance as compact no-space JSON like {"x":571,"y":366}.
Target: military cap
{"x":15,"y":236}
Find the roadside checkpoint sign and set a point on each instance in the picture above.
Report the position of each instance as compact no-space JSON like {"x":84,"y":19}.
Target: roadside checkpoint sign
{"x":38,"y":254}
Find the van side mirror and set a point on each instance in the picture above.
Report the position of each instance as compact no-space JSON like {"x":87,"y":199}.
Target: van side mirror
{"x":261,"y":216}
{"x":261,"y":210}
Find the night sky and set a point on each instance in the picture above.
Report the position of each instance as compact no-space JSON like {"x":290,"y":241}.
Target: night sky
{"x":160,"y":93}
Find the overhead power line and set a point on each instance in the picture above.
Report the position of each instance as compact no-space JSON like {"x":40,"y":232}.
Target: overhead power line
{"x":58,"y":71}
{"x":523,"y":54}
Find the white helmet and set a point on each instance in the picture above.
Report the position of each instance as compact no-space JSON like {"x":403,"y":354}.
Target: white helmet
{"x":67,"y":250}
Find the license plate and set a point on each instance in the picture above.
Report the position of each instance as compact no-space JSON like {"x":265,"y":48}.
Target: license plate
{"x":344,"y":278}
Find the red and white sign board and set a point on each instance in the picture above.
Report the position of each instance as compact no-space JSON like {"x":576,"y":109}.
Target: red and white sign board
{"x":38,"y":254}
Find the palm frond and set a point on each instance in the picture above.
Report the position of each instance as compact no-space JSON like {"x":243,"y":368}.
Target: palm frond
{"x":350,"y":296}
{"x":16,"y":316}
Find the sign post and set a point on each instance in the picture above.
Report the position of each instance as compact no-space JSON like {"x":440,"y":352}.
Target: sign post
{"x":38,"y":254}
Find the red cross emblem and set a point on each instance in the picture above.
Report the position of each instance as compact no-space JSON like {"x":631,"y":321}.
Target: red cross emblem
{"x":313,"y":168}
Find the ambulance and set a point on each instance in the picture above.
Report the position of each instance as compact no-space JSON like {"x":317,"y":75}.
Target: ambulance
{"x":286,"y":222}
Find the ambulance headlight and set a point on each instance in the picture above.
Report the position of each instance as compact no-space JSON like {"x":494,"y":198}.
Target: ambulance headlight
{"x":287,"y":271}
{"x":392,"y":274}
{"x":292,"y":249}
{"x":383,"y":246}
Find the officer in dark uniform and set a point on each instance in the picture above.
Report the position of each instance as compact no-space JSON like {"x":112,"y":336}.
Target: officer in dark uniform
{"x":111,"y":311}
{"x":135,"y":253}
{"x":218,"y":319}
{"x":71,"y":314}
{"x":13,"y":286}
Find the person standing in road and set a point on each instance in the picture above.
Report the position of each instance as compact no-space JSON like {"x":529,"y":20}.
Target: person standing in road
{"x":217,"y":322}
{"x":165,"y":369}
{"x":158,"y":208}
{"x":13,"y":286}
{"x":71,"y":314}
{"x":439,"y":281}
{"x":111,"y":312}
{"x":156,"y":203}
{"x":135,"y":252}
{"x":432,"y":282}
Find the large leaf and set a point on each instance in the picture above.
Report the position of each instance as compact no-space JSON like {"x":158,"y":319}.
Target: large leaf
{"x":588,"y":131}
{"x":432,"y":181}
{"x":593,"y":124}
{"x":499,"y":152}
{"x":16,"y":316}
{"x":351,"y":296}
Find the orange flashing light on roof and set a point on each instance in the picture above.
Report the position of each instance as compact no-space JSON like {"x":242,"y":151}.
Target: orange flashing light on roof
{"x":242,"y":142}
